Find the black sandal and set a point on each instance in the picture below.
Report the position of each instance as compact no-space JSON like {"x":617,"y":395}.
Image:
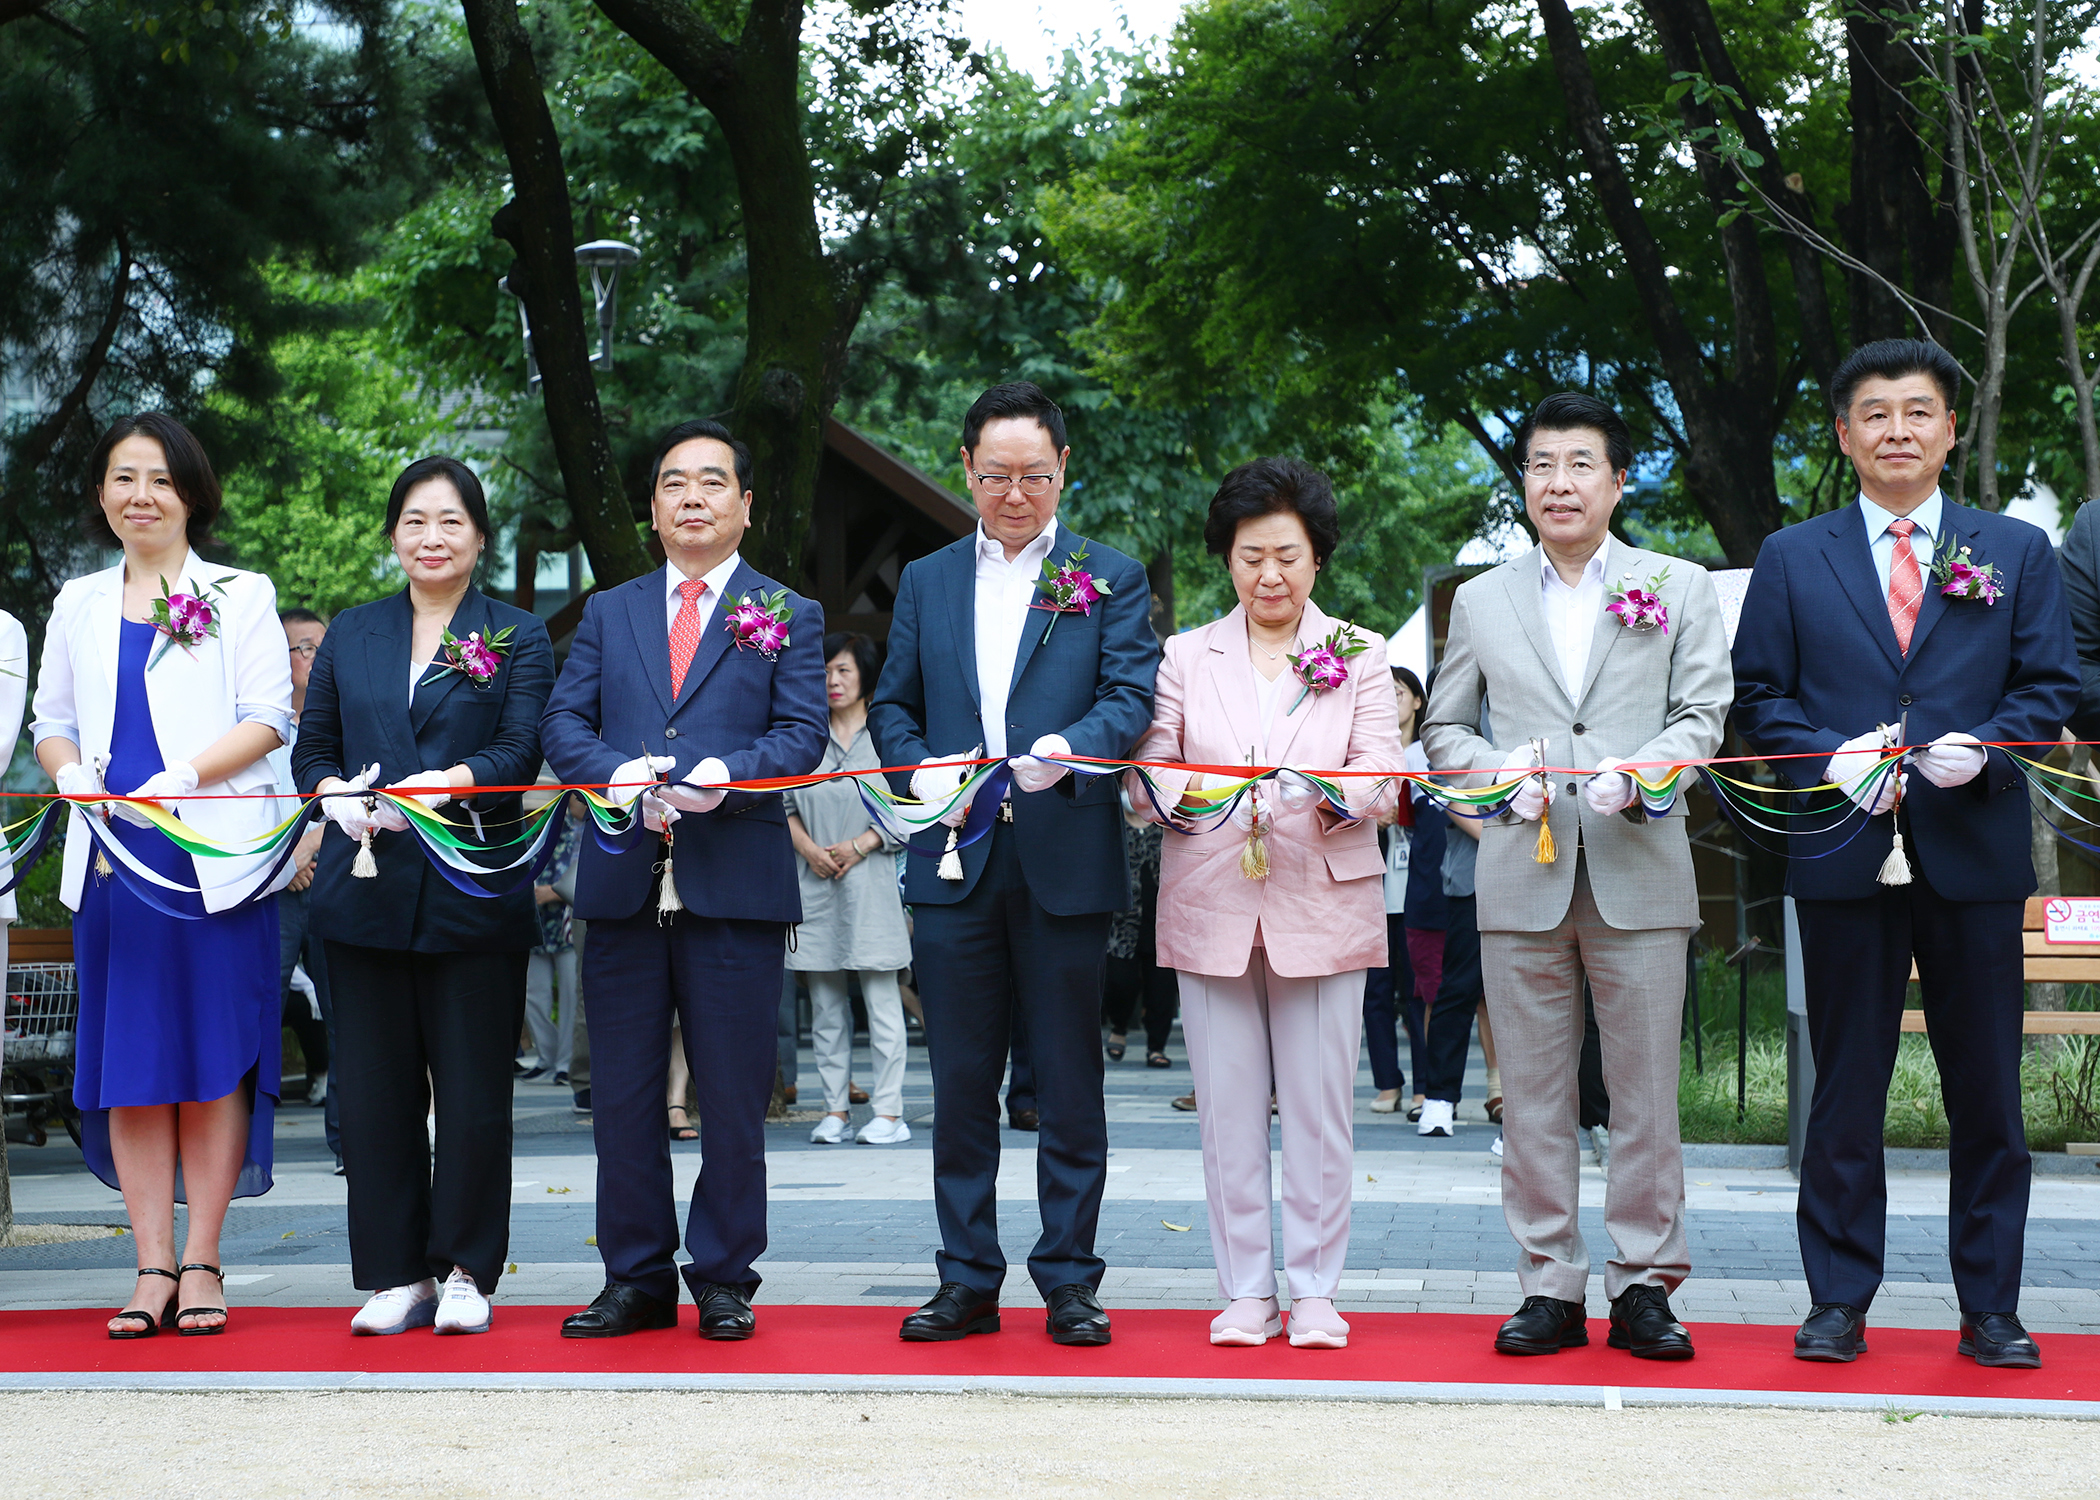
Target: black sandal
{"x":684,"y":1132}
{"x":1158,"y":1060}
{"x":168,"y":1314}
{"x":224,"y":1313}
{"x":1115,"y":1049}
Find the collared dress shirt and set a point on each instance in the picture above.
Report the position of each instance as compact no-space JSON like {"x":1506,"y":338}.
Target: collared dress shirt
{"x":1571,"y":615}
{"x":710,"y":600}
{"x":1882,"y":542}
{"x":1004,"y":592}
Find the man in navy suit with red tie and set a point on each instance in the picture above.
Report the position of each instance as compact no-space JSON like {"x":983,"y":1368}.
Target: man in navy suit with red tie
{"x":1854,"y":621}
{"x":659,"y":667}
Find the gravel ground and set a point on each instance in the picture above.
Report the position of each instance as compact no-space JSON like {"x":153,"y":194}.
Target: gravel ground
{"x":645,"y":1445}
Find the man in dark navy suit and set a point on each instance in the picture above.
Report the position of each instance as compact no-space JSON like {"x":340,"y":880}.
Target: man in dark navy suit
{"x":1846,"y":628}
{"x":978,"y":665}
{"x":657,"y":684}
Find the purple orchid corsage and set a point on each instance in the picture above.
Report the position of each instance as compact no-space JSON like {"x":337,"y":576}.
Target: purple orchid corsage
{"x":187,"y":620}
{"x":1959,"y":578}
{"x":1640,"y":607}
{"x":760,"y":624}
{"x":475,"y":658}
{"x":1072,"y":590}
{"x":1325,"y":667}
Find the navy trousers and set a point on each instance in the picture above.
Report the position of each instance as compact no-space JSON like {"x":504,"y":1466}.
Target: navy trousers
{"x":1856,"y":956}
{"x":969,"y":957}
{"x":1390,"y":1006}
{"x":1450,"y":1023}
{"x":722,"y":979}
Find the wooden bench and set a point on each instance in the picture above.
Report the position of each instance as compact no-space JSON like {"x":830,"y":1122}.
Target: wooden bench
{"x":40,"y":945}
{"x":2046,"y":963}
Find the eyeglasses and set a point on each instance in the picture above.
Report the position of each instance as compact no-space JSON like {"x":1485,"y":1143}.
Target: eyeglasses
{"x":1033,"y":485}
{"x":305,"y":648}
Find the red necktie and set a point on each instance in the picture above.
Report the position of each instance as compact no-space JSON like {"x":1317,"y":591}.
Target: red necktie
{"x":685,"y":629}
{"x":1906,"y":587}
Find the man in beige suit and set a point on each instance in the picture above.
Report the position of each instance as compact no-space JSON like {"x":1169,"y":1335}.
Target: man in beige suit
{"x":1588,"y":653}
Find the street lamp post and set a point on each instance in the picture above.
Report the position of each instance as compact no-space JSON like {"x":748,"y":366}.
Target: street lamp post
{"x":607,"y":259}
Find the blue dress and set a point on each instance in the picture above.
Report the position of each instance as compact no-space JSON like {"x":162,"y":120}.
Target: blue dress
{"x":171,"y":1011}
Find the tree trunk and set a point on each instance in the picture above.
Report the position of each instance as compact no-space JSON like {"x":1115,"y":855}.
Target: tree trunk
{"x":801,"y":305}
{"x":540,"y":226}
{"x":1895,"y":223}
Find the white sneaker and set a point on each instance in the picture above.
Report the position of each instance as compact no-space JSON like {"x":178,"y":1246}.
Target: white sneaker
{"x":464,"y":1309}
{"x":882,"y":1132}
{"x":829,"y":1132}
{"x":398,"y":1309}
{"x":1247,"y":1322}
{"x":1316,"y":1325}
{"x":1496,"y":1149}
{"x":1600,"y":1146}
{"x":1437,"y":1117}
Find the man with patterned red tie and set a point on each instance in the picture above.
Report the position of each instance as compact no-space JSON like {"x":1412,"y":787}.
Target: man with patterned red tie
{"x":714,"y":673}
{"x":1907,"y":618}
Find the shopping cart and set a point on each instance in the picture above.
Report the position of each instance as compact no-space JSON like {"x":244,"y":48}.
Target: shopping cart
{"x":36,"y":1047}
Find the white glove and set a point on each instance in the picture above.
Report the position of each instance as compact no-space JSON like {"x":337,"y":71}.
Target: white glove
{"x":431,"y":800}
{"x":657,"y":813}
{"x":164,"y":787}
{"x":629,"y":778}
{"x":1295,"y":791}
{"x":1249,"y":808}
{"x":698,"y":793}
{"x":1034,"y":775}
{"x":1609,"y":789}
{"x":1851,"y":766}
{"x":937,"y":779}
{"x":1530,"y":800}
{"x":78,"y":780}
{"x":1951,"y":759}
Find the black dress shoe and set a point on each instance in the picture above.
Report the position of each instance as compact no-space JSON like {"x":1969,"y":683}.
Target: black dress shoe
{"x":1544,"y":1325}
{"x":1834,"y":1333}
{"x":1643,"y":1325}
{"x":956,"y":1311}
{"x":619,"y":1310}
{"x":725,"y":1312}
{"x":1023,"y":1119}
{"x":1998,"y":1340}
{"x":1075,"y":1315}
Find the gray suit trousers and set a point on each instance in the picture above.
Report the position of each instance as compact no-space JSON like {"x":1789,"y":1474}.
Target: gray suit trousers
{"x":1534,"y":984}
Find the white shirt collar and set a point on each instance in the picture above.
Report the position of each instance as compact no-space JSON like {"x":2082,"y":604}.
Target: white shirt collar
{"x":1030,"y":556}
{"x":716,"y":578}
{"x":1927,"y":516}
{"x":1592,"y":571}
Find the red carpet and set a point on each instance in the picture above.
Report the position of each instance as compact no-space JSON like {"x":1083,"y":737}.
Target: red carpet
{"x":1149,"y":1345}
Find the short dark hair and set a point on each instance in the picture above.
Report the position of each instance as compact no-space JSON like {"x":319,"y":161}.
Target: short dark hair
{"x":701,"y":427}
{"x":867,"y":657}
{"x":1407,"y":679}
{"x":458,"y":475}
{"x":1892,"y":359}
{"x":300,"y":615}
{"x":1013,"y":398}
{"x":1270,"y":486}
{"x":195,"y":483}
{"x":1564,"y":410}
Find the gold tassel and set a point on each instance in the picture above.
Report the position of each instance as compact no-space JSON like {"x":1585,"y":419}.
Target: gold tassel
{"x":951,"y":862}
{"x":667,"y":900}
{"x":102,"y":870}
{"x":1254,"y":859}
{"x":1546,"y":852}
{"x":364,"y":867}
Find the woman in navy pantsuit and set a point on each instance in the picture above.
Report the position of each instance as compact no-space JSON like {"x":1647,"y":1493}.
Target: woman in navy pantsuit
{"x":429,"y":982}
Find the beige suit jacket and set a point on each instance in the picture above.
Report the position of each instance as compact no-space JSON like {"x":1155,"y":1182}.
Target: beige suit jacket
{"x":1645,"y":696}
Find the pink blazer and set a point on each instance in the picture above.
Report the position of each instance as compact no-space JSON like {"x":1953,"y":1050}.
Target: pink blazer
{"x":1322,"y":909}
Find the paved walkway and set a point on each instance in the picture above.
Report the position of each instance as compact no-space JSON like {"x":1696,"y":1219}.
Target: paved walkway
{"x":854,"y":1224}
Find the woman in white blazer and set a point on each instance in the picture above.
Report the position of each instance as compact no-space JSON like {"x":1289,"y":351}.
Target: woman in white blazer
{"x":177,"y":1044}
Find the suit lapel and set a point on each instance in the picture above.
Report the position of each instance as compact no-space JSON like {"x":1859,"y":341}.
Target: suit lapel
{"x":1853,"y":563}
{"x":960,"y":580}
{"x":1313,"y":626}
{"x":386,"y":673}
{"x":714,"y":632}
{"x":1232,"y":678}
{"x":1605,"y":629}
{"x":652,"y":633}
{"x":1956,"y":521}
{"x":1521,"y":584}
{"x":1068,"y":542}
{"x":436,"y":686}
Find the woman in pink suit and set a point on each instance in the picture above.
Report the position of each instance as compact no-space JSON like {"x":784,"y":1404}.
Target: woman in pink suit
{"x":1272,"y":967}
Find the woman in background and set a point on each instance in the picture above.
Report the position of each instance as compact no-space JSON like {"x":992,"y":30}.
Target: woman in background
{"x":1390,"y":1002}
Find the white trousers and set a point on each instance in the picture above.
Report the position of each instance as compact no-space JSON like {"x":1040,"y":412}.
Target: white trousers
{"x":1246,"y":1035}
{"x":831,"y":1036}
{"x":554,"y":1044}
